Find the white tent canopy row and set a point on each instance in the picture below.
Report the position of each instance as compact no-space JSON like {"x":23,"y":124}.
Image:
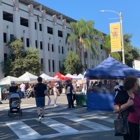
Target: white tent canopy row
{"x":7,"y":80}
{"x":48,"y":78}
{"x":26,"y":77}
{"x":79,"y":77}
{"x":29,"y":77}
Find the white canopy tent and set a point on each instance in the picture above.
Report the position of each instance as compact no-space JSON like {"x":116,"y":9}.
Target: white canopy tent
{"x":7,"y":80}
{"x":73,"y":77}
{"x":48,"y":78}
{"x":81,"y":76}
{"x":29,"y":77}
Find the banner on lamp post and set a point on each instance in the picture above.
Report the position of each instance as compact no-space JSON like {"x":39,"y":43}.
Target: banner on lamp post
{"x":115,"y":37}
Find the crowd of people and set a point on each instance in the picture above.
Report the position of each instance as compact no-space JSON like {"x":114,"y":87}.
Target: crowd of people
{"x":103,"y":86}
{"x":42,"y":89}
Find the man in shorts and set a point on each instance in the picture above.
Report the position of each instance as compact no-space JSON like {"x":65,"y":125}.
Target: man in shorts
{"x":40,"y":90}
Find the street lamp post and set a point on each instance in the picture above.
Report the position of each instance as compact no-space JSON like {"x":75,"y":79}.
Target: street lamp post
{"x":122,"y":42}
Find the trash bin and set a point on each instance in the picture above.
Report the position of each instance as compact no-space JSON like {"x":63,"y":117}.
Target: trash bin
{"x":81,"y":100}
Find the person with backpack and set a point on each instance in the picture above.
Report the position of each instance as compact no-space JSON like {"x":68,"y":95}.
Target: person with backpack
{"x":69,"y":90}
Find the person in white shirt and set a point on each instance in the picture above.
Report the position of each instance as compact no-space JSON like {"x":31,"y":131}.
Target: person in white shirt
{"x":22,"y":87}
{"x":55,"y":92}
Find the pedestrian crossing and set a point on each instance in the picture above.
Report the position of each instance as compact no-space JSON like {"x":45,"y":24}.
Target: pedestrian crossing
{"x":52,"y":127}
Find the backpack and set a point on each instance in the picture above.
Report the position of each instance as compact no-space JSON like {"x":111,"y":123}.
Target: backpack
{"x":68,"y":90}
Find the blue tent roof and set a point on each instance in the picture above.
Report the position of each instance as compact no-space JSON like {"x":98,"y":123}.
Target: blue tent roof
{"x":111,"y":68}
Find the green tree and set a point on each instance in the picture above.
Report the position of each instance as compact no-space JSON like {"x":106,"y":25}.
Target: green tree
{"x":107,"y":46}
{"x":62,"y":68}
{"x":20,"y":61}
{"x":73,"y":63}
{"x":32,"y":62}
{"x":131,"y":53}
{"x":84,"y":34}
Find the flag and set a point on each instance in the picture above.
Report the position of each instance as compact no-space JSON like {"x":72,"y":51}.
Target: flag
{"x":115,"y":37}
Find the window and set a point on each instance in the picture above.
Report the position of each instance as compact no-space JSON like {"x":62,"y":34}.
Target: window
{"x":11,"y":37}
{"x":7,"y":16}
{"x":62,"y":50}
{"x":101,"y":46}
{"x":48,"y":47}
{"x":58,"y":49}
{"x":50,"y":30}
{"x":40,"y":27}
{"x":68,"y":35}
{"x":41,"y":46}
{"x":35,"y":25}
{"x":4,"y":37}
{"x":27,"y":42}
{"x":59,"y":65}
{"x":52,"y":48}
{"x":60,"y":33}
{"x":49,"y":65}
{"x":24,"y":22}
{"x":36,"y":44}
{"x":5,"y":56}
{"x":42,"y":61}
{"x":53,"y":66}
{"x":22,"y":39}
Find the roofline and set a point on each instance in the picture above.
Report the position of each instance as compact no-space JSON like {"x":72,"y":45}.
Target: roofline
{"x":47,"y":9}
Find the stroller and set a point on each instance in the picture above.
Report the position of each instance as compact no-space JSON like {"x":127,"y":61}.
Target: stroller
{"x":14,"y":104}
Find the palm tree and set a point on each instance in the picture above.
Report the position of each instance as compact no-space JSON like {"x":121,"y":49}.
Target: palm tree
{"x":84,"y":34}
{"x":107,"y":46}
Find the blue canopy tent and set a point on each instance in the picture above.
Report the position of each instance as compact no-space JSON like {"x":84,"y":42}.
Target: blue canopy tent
{"x":111,"y":69}
{"x":108,"y":69}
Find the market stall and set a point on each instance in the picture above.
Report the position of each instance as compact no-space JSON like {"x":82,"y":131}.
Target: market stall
{"x":108,"y":69}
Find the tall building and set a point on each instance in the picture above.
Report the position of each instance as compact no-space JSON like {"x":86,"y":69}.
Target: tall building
{"x":43,"y":28}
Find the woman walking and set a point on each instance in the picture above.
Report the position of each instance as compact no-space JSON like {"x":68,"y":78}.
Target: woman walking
{"x":128,"y":102}
{"x":55,"y":92}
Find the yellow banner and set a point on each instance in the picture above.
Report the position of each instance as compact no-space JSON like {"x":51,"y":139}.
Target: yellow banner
{"x":115,"y":37}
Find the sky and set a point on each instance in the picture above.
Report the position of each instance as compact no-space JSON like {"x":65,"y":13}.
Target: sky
{"x":90,"y":10}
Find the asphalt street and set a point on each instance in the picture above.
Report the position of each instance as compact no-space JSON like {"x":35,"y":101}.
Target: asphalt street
{"x":60,"y":123}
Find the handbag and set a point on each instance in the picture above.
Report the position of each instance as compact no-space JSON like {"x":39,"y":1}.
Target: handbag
{"x":121,"y":125}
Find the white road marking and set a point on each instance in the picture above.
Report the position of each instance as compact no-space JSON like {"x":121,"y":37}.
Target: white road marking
{"x":87,"y":123}
{"x":23,"y":131}
{"x":62,"y":128}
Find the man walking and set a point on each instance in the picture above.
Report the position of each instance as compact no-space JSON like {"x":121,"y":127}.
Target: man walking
{"x":40,"y":90}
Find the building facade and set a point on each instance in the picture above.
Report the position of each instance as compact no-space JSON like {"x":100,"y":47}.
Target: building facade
{"x":42,"y":28}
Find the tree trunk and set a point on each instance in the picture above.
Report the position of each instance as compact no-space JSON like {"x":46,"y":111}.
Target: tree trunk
{"x":109,"y":53}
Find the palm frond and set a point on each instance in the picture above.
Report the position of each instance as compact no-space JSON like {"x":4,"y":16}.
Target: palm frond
{"x":72,"y":37}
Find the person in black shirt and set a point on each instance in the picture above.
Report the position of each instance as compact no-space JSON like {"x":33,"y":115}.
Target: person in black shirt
{"x":13,"y":88}
{"x":40,"y":90}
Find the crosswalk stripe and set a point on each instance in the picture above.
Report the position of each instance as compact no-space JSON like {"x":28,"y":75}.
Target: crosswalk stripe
{"x":96,"y":116}
{"x":22,"y":130}
{"x":89,"y":124}
{"x":62,"y":128}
